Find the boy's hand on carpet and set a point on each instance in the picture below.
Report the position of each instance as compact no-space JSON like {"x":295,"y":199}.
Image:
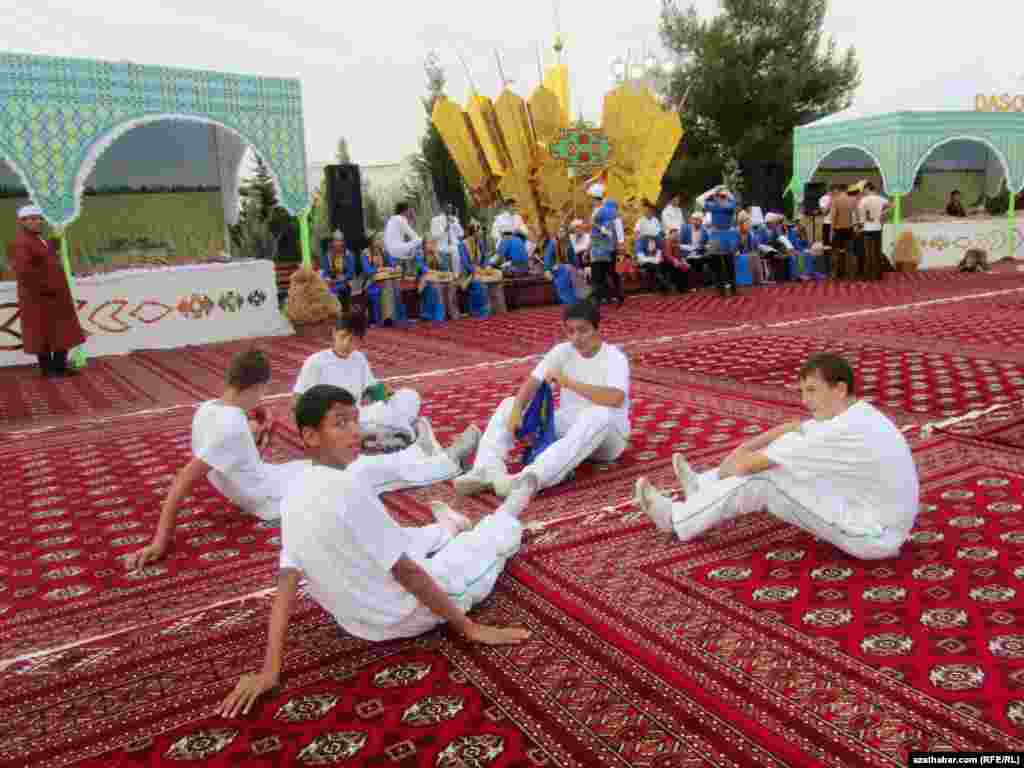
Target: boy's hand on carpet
{"x":249,"y":688}
{"x":141,"y":557}
{"x":488,"y":635}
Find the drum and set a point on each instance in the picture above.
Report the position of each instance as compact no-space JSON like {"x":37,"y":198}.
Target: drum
{"x":496,"y":295}
{"x":388,"y":291}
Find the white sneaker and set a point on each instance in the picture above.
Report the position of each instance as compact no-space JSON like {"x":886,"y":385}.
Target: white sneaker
{"x":464,"y":445}
{"x":477,"y":480}
{"x":425,"y":437}
{"x":502,"y":482}
{"x":688,"y":479}
{"x":521,"y":490}
{"x":452,"y":521}
{"x":657,"y":506}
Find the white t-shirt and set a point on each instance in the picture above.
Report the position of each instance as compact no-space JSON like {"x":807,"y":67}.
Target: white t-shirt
{"x":869,"y":212}
{"x":336,"y":531}
{"x":672,"y":218}
{"x":825,"y":204}
{"x":400,"y":239}
{"x":351,"y":373}
{"x":608,"y":368}
{"x":221,"y":438}
{"x":857,"y":464}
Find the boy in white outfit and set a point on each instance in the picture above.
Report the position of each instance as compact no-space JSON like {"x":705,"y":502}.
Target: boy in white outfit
{"x":380,"y":581}
{"x":225,"y":450}
{"x":846,"y":475}
{"x":592,"y":419}
{"x":344,"y":365}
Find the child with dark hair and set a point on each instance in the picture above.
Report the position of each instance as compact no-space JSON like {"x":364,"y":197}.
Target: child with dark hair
{"x":846,"y":475}
{"x":345,"y":366}
{"x":591,"y":422}
{"x":225,"y":449}
{"x":379,"y":581}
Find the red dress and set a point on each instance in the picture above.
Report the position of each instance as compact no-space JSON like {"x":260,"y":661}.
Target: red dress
{"x":49,"y":320}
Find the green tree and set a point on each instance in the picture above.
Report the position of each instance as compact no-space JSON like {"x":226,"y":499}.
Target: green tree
{"x":262,"y":219}
{"x":433,"y":164}
{"x":749,"y":76}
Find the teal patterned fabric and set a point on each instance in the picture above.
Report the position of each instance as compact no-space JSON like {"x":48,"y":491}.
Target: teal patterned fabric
{"x":900,"y":142}
{"x":53,"y":110}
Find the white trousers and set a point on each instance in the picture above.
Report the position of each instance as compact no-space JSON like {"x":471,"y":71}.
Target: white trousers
{"x":269,"y":507}
{"x":467,"y":568}
{"x":720,"y":500}
{"x":587,"y":434}
{"x":399,"y":411}
{"x":411,"y":468}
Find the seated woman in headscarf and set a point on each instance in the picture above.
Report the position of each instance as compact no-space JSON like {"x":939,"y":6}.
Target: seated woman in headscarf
{"x":560,"y":264}
{"x":338,"y":266}
{"x":648,"y":245}
{"x":477,"y":299}
{"x":431,"y":305}
{"x":383,"y":307}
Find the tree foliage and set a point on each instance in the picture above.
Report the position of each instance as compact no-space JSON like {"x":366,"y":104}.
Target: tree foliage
{"x":750,"y":75}
{"x":264,"y":228}
{"x":438,"y":178}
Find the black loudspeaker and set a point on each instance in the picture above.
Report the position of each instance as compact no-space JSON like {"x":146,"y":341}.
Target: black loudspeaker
{"x":812,"y":196}
{"x":345,"y":201}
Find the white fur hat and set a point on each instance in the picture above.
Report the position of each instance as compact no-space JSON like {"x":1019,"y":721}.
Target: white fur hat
{"x":29,"y":210}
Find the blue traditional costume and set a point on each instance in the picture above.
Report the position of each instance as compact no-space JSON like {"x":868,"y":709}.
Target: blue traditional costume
{"x":431,"y":306}
{"x":560,"y":261}
{"x":605,"y":236}
{"x":477,"y":301}
{"x":512,"y":253}
{"x":338,"y":270}
{"x":722,"y":235}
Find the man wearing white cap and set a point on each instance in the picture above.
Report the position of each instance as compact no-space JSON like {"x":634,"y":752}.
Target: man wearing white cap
{"x":607,"y":239}
{"x":49,"y":320}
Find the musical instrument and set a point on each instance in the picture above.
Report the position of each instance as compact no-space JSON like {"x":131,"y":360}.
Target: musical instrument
{"x":436,"y":276}
{"x":387,"y":273}
{"x":489,"y":275}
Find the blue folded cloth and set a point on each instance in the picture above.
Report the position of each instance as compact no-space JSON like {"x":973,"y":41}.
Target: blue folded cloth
{"x":538,"y":424}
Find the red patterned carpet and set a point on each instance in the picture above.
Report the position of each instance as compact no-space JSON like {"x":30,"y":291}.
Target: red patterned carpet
{"x":754,"y":645}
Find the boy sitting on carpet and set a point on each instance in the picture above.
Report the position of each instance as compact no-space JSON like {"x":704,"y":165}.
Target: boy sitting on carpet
{"x":846,"y":475}
{"x":375,"y":578}
{"x":592,"y":420}
{"x":344,"y":365}
{"x":225,"y":450}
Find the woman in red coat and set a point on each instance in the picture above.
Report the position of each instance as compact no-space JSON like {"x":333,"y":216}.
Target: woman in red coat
{"x":49,"y":320}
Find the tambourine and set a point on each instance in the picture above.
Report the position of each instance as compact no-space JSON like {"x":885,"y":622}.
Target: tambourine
{"x":387,"y":274}
{"x":435,"y":276}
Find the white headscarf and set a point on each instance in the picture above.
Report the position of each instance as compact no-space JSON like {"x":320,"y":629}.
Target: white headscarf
{"x":596,"y":190}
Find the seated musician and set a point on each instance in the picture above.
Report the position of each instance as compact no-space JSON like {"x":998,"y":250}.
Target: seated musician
{"x":561,"y":265}
{"x":777,"y":248}
{"x":648,"y":245}
{"x":749,"y":242}
{"x":693,"y":241}
{"x":431,"y":304}
{"x":512,"y":255}
{"x":338,"y":266}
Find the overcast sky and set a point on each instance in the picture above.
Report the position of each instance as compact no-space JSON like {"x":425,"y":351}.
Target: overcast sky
{"x":360,"y":63}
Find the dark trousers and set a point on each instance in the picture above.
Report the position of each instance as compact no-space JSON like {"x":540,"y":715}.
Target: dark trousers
{"x":842,"y":241}
{"x":657,"y":277}
{"x":53,"y":362}
{"x":607,"y":281}
{"x":872,"y":266}
{"x":723,"y":266}
{"x":826,"y":233}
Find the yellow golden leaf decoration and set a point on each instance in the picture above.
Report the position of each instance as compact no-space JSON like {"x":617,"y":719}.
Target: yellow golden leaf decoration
{"x":457,"y":133}
{"x":485,"y":125}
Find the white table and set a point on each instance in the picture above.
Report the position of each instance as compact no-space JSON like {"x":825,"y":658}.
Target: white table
{"x":162,"y":308}
{"x":943,"y":243}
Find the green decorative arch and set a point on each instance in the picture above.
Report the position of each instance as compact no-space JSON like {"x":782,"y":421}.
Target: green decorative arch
{"x":58,"y":115}
{"x":900,"y":142}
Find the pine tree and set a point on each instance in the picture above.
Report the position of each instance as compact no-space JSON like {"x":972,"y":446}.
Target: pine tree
{"x":434,"y":165}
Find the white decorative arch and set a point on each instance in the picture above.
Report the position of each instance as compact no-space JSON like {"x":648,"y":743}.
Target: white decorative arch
{"x":228,"y":171}
{"x":860,"y":148}
{"x":980,"y":139}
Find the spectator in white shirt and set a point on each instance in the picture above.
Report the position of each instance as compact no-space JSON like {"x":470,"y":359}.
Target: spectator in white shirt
{"x":870,"y":211}
{"x":400,"y":240}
